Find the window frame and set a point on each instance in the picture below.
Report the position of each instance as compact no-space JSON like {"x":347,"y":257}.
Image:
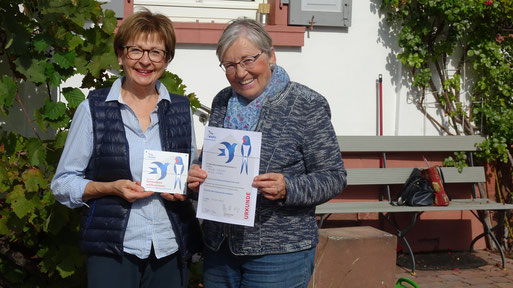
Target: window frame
{"x":209,"y":32}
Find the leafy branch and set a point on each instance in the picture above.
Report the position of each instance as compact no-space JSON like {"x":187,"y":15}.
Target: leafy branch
{"x":463,"y":36}
{"x":43,"y":44}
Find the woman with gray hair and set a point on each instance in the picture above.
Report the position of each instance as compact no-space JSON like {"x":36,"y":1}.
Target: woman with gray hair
{"x":300,"y":167}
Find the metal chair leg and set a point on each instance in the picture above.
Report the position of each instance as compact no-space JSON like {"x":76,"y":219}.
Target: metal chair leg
{"x":489,"y":231}
{"x":401,"y":233}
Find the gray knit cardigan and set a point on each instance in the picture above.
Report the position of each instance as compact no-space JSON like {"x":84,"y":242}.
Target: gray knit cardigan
{"x":298,"y":141}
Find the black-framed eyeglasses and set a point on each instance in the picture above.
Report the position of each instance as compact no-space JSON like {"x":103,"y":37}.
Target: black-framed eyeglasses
{"x":246,"y":63}
{"x":136,"y":53}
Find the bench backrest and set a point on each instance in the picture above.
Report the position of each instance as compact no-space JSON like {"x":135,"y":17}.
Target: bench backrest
{"x":408,"y":143}
{"x":380,"y":176}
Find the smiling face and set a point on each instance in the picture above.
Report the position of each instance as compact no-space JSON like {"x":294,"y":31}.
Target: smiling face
{"x":249,"y":83}
{"x":143,"y":73}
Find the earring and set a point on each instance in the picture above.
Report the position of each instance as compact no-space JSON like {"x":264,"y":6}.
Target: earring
{"x":272,"y":66}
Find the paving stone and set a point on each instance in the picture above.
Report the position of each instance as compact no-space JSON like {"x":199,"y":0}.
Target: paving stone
{"x":450,"y":277}
{"x":488,"y":276}
{"x":477,"y":281}
{"x":496,"y":279}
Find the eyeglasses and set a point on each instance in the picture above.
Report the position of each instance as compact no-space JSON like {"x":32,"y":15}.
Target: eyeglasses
{"x":246,"y":63}
{"x":136,"y":53}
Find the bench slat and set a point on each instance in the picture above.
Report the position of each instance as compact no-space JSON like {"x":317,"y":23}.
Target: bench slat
{"x":408,"y":143}
{"x":377,"y":176}
{"x":385,"y":206}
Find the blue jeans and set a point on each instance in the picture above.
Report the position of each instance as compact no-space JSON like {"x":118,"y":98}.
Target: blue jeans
{"x":222,"y":269}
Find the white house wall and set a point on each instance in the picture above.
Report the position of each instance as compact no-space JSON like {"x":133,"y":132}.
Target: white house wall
{"x":341,"y":64}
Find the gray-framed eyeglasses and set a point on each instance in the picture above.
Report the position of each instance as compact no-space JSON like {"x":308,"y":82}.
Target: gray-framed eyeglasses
{"x":136,"y":53}
{"x":246,"y":63}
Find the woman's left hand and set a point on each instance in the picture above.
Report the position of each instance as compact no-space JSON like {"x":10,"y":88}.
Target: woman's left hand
{"x":173,"y":197}
{"x":272,"y":185}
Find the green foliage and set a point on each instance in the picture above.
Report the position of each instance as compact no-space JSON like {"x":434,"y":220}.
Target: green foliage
{"x":437,"y":36}
{"x":459,"y":161}
{"x":174,"y":85}
{"x":46,"y":43}
{"x":33,"y":225}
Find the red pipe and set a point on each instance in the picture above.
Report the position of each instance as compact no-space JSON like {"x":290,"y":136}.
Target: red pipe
{"x":380,"y":105}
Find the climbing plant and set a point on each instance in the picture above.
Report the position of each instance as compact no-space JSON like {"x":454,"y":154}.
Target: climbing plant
{"x":42,"y":45}
{"x":448,"y":43}
{"x":460,"y":53}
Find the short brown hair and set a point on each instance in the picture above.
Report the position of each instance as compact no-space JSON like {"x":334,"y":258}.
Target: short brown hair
{"x":146,"y":22}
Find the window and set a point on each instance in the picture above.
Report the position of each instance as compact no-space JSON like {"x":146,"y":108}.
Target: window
{"x":203,"y":21}
{"x":203,"y":11}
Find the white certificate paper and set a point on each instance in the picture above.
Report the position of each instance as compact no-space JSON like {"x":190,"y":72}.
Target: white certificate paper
{"x":231,"y":159}
{"x":165,"y":172}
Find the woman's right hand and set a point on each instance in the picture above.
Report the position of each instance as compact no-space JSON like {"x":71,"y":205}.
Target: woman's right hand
{"x":196,"y":177}
{"x":126,"y":189}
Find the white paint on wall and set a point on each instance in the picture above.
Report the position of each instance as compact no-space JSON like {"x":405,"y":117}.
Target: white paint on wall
{"x":343,"y":64}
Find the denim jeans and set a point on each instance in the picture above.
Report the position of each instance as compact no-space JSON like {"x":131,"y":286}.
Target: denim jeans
{"x":128,"y":271}
{"x":222,"y":269}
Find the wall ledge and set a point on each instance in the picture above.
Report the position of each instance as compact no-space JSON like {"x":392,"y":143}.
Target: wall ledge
{"x":209,"y":33}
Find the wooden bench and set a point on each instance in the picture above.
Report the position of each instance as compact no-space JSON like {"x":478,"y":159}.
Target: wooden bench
{"x":387,"y":176}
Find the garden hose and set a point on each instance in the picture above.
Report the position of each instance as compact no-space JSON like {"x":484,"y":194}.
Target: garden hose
{"x":410,"y":283}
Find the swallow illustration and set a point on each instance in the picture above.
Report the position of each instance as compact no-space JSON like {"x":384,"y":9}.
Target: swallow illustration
{"x":231,"y":151}
{"x":245,"y":151}
{"x":162,"y":167}
{"x":178,"y":168}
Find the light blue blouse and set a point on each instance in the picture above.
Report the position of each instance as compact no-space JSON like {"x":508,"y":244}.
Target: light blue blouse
{"x":148,"y":222}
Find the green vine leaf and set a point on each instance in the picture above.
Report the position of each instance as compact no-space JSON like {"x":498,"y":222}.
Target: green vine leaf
{"x":34,"y":180}
{"x":4,"y":227}
{"x":54,"y":78}
{"x":40,"y":43}
{"x":8,"y":90}
{"x":74,"y":42}
{"x":65,"y":60}
{"x":53,"y":110}
{"x":60,"y":139}
{"x":74,"y":96}
{"x":99,"y":62}
{"x":66,"y":268}
{"x":40,"y":121}
{"x":33,"y":69}
{"x":36,"y":152}
{"x":21,"y":206}
{"x":109,"y":22}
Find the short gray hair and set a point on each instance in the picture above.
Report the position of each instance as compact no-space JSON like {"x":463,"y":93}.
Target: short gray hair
{"x":247,"y":28}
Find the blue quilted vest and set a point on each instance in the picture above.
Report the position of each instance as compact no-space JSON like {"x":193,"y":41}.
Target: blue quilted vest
{"x":104,"y":222}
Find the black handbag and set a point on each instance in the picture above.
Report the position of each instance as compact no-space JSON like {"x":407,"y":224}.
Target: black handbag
{"x":417,"y":191}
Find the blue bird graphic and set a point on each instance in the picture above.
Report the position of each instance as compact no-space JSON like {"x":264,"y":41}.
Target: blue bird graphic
{"x":231,"y":151}
{"x":178,"y":168}
{"x":245,"y":151}
{"x":162,"y":167}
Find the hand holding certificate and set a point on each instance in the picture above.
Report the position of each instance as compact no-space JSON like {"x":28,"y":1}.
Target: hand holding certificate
{"x":165,"y":172}
{"x":232,"y":159}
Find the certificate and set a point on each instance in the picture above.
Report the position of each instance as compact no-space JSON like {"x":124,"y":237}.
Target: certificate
{"x":164,"y":171}
{"x":231,"y":159}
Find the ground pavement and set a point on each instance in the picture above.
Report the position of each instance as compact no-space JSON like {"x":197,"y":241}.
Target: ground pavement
{"x":491,"y":275}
